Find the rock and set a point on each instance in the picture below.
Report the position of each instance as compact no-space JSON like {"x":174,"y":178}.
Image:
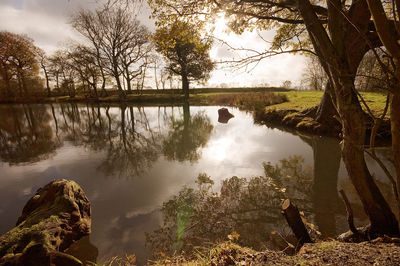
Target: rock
{"x":224,"y":115}
{"x":84,"y":250}
{"x":56,"y":216}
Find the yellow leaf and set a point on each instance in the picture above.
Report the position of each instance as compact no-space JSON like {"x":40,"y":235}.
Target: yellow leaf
{"x":131,"y":258}
{"x":234,"y":236}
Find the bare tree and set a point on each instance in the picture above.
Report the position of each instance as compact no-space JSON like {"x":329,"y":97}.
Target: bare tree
{"x":63,"y":72}
{"x":118,"y":39}
{"x":44,"y":64}
{"x":314,"y":76}
{"x":83,"y":60}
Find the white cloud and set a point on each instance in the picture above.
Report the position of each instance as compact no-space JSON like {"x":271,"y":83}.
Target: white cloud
{"x":48,"y":31}
{"x":273,"y":70}
{"x":46,"y":21}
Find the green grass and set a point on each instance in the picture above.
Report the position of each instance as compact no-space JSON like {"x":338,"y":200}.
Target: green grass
{"x":376,"y":102}
{"x":299,"y":100}
{"x":247,"y":101}
{"x":246,"y":98}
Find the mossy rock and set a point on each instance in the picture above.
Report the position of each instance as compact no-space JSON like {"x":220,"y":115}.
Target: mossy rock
{"x":56,"y":216}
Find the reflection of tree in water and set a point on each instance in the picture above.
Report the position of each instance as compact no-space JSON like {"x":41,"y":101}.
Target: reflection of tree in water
{"x":124,"y":134}
{"x":134,"y":149}
{"x":186,"y":136}
{"x":130,"y":144}
{"x":25,"y":134}
{"x":251,"y":207}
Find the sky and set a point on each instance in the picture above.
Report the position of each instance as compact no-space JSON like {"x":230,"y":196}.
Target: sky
{"x":46,"y":22}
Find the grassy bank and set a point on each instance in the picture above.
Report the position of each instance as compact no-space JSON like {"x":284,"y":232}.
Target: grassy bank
{"x":300,"y":100}
{"x":321,"y":253}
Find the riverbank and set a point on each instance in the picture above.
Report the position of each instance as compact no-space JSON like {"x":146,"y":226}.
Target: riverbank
{"x":201,"y":96}
{"x":298,"y":114}
{"x":378,"y":252}
{"x":274,"y":107}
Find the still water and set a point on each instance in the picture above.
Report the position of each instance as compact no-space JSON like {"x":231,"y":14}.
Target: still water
{"x":139,"y":167}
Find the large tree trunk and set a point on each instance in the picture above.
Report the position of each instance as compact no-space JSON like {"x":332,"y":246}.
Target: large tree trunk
{"x":395,"y":128}
{"x":340,"y":61}
{"x":375,"y":206}
{"x":326,"y":112}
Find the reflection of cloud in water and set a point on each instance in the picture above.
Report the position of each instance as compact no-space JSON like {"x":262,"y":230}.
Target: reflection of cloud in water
{"x":125,"y":208}
{"x":217,"y":150}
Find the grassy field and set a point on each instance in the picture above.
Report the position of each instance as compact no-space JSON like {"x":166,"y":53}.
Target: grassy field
{"x":298,"y":100}
{"x":246,"y":98}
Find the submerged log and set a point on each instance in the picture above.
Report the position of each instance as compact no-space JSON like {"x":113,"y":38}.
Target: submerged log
{"x":56,"y":216}
{"x":292,"y":215}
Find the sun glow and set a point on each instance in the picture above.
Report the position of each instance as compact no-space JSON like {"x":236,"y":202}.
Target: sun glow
{"x":220,"y":27}
{"x":218,"y":149}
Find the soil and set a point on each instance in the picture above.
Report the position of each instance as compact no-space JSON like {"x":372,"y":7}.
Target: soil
{"x":377,"y":252}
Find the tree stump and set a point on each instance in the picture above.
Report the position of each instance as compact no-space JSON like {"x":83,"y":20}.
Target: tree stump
{"x":292,"y":215}
{"x":224,"y":115}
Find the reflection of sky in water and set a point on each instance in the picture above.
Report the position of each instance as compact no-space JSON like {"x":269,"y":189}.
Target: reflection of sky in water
{"x":124,"y":209}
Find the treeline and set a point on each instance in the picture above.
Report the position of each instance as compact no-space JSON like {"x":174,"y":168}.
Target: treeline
{"x":19,"y":66}
{"x":371,"y":76}
{"x":117,"y":54}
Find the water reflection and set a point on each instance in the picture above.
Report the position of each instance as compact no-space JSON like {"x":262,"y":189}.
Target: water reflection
{"x":25,"y":134}
{"x":124,"y":134}
{"x":250,"y":207}
{"x":130,"y":160}
{"x":327,"y":155}
{"x":186,"y":136}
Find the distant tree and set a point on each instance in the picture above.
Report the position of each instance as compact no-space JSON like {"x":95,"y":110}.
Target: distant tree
{"x":44,"y":64}
{"x":314,"y":76}
{"x":370,"y":74}
{"x":286,"y":84}
{"x":120,"y":43}
{"x":186,"y":51}
{"x":57,"y":67}
{"x":62,"y":69}
{"x":19,"y":65}
{"x":83,"y":60}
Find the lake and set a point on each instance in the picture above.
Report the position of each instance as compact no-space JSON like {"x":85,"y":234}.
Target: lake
{"x":139,"y":167}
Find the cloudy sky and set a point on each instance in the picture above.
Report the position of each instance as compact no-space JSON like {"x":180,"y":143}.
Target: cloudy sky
{"x":46,"y":21}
